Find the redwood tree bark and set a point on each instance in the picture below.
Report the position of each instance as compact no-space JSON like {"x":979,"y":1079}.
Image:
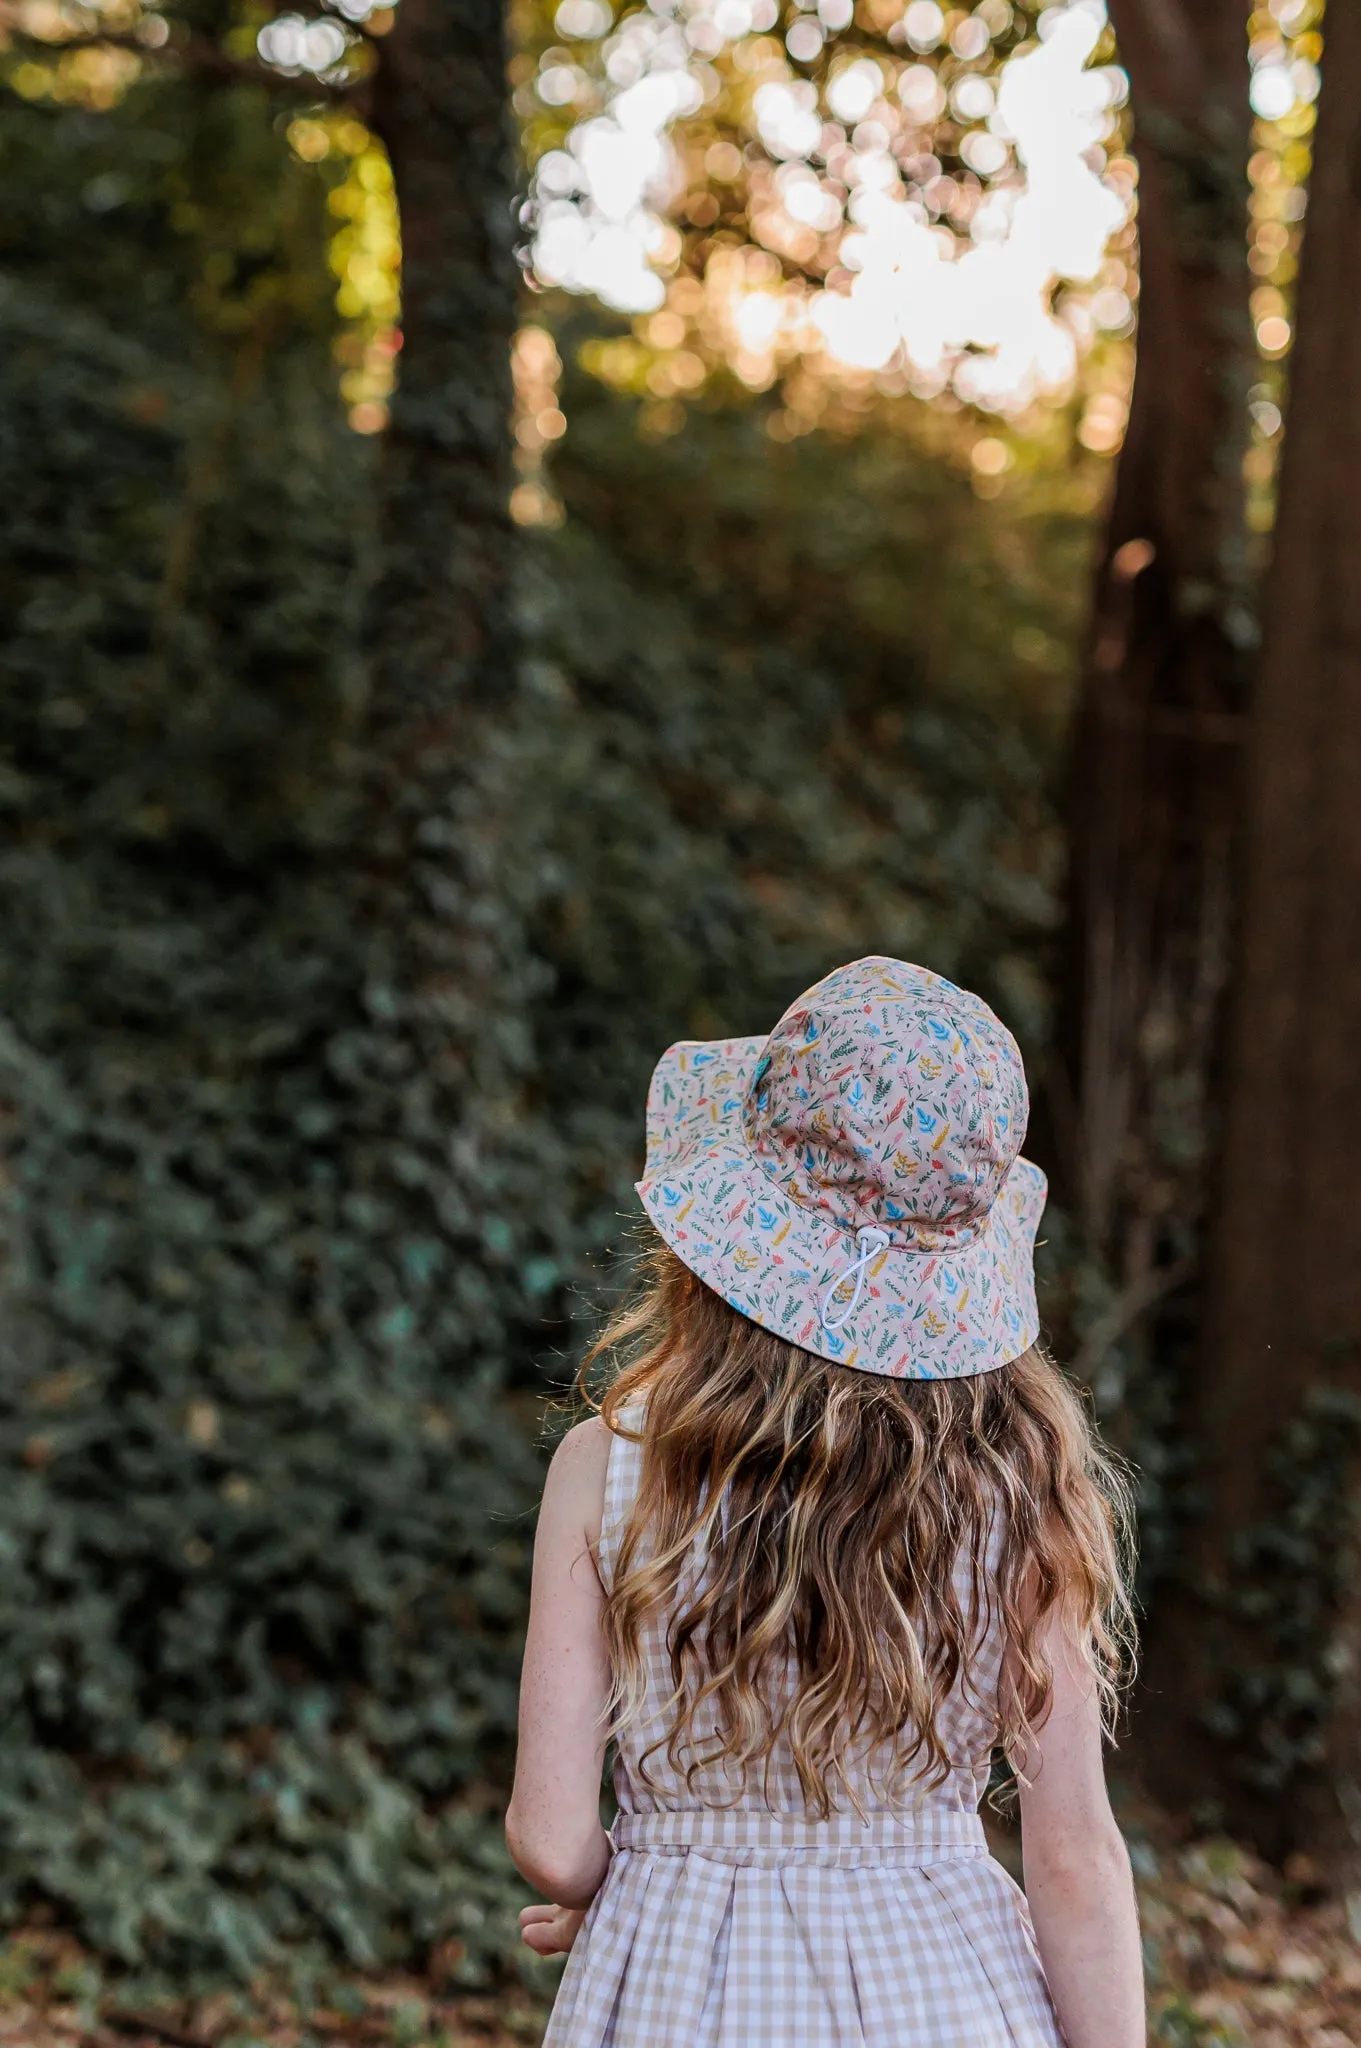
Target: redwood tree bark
{"x":1159,"y":719}
{"x":441,"y":622}
{"x":1257,"y":1653}
{"x":444,"y":740}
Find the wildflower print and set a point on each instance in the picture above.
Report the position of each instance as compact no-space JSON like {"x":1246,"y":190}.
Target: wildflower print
{"x":886,"y":1097}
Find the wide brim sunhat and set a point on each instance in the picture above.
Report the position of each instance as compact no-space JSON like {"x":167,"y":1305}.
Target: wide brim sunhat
{"x":852,"y":1182}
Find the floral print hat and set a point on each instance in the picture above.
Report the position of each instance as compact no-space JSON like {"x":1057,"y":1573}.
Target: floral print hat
{"x":854,"y":1181}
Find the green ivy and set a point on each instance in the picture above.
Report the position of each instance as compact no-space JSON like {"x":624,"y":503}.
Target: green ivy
{"x":1286,"y":1593}
{"x":321,"y":1077}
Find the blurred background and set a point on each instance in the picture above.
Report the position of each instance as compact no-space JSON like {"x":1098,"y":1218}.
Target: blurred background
{"x":524,"y":537}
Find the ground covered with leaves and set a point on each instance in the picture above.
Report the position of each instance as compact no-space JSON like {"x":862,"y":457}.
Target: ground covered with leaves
{"x":53,"y":1996}
{"x":1239,"y":1956}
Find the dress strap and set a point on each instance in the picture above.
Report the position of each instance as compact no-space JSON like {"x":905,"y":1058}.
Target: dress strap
{"x":623,"y":1471}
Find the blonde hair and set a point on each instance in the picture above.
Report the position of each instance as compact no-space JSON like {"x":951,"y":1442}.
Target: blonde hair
{"x":832,"y":1509}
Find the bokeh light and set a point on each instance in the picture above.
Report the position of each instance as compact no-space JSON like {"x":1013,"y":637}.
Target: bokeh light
{"x":939,"y":201}
{"x":536,"y":368}
{"x":292,"y":44}
{"x":1284,"y":48}
{"x":364,"y":257}
{"x":884,"y":259}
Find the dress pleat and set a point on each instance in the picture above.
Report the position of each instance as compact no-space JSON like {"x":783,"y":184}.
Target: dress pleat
{"x":737,"y":1922}
{"x":981,"y":1897}
{"x":901,"y":1976}
{"x":667,"y":1982}
{"x":816,"y":1898}
{"x":587,"y":2002}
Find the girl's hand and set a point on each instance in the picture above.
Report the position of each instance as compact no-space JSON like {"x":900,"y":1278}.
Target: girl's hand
{"x":550,"y":1930}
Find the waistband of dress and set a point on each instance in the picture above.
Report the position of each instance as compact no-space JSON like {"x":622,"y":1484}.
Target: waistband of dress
{"x":751,"y":1835}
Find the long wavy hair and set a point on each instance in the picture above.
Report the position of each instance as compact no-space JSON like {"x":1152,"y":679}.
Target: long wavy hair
{"x":866,"y":1535}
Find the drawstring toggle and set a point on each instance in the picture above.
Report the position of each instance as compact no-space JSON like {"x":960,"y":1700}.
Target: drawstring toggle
{"x":871,"y":1241}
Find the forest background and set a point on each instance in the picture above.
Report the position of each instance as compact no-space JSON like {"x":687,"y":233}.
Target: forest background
{"x":495,"y":580}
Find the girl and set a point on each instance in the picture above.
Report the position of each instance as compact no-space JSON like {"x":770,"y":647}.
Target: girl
{"x":839,"y":1534}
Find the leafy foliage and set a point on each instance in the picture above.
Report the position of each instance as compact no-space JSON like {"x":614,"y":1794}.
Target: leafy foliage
{"x":258,"y":1626}
{"x":321,"y":1078}
{"x":1289,"y":1578}
{"x":785,"y":722}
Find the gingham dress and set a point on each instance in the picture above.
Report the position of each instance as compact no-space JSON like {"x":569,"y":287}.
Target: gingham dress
{"x":751,"y":1926}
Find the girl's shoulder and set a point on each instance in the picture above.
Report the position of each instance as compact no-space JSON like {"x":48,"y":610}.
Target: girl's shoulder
{"x":585,"y":1445}
{"x":574,"y":1491}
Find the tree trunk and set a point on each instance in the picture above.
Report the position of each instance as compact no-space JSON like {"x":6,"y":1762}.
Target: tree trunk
{"x":1255,"y":1653}
{"x":1159,"y":721}
{"x":443,"y":800}
{"x":441,"y":615}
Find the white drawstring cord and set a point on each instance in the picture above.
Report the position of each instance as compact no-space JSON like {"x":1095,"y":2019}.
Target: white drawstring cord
{"x":871,"y":1241}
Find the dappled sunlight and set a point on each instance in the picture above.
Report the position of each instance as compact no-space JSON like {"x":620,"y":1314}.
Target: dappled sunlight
{"x":887,"y":260}
{"x":1284,"y":49}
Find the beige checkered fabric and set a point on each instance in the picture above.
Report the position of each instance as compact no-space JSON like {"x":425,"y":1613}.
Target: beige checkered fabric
{"x":748,"y":1925}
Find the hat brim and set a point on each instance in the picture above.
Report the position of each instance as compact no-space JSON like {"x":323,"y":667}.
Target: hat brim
{"x":922,"y":1313}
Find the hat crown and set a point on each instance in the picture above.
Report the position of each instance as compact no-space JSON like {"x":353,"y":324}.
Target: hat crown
{"x":888,"y":1096}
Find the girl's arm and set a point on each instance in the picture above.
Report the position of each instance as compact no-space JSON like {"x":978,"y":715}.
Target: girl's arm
{"x":553,"y":1822}
{"x":1077,"y":1872}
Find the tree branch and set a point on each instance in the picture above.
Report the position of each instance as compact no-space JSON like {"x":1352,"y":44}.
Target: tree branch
{"x":1124,"y":1312}
{"x":204,"y":59}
